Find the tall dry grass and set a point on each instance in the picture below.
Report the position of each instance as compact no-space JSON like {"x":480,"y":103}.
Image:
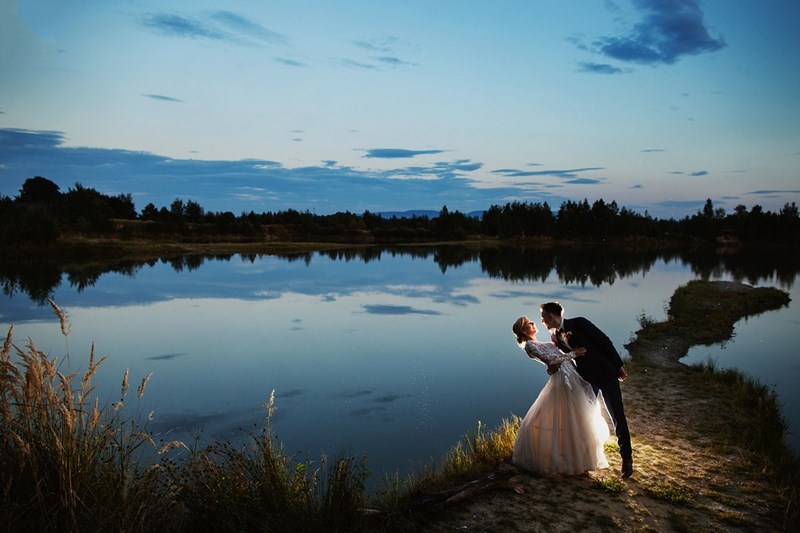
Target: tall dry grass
{"x":67,"y":463}
{"x":259,"y":487}
{"x":70,"y":463}
{"x":478,"y":450}
{"x":475,"y":454}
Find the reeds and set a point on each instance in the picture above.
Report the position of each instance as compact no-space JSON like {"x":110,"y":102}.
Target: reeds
{"x":259,"y":487}
{"x":70,"y":463}
{"x":476,"y":451}
{"x":67,"y":463}
{"x":476,"y":454}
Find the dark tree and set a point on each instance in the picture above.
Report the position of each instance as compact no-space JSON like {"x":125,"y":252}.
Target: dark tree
{"x":39,"y":190}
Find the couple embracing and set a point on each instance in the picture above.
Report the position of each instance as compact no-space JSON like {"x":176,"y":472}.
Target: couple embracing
{"x":564,"y":431}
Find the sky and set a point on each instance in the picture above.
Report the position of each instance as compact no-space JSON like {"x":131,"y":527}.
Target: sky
{"x":356,"y":105}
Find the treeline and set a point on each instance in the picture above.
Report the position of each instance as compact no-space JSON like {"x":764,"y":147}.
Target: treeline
{"x":41,"y":213}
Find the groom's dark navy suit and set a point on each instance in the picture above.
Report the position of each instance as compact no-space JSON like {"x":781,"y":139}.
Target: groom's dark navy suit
{"x":600,"y":367}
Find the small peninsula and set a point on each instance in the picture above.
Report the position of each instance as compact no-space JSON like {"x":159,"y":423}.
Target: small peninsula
{"x":708,"y":445}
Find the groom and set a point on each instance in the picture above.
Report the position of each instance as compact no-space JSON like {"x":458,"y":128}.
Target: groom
{"x":601,"y":367}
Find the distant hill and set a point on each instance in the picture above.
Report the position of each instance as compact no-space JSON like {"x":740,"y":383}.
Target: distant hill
{"x":422,"y":213}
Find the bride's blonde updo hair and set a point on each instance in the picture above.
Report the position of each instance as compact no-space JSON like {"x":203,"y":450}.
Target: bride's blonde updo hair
{"x":518,"y":330}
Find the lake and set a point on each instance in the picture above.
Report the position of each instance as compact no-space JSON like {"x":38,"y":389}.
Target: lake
{"x":395,"y":353}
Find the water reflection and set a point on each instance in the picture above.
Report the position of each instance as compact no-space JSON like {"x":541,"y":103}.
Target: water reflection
{"x":392,"y":352}
{"x":594,"y":265}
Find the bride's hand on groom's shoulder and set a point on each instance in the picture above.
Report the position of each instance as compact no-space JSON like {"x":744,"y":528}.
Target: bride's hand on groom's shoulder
{"x":579,"y":351}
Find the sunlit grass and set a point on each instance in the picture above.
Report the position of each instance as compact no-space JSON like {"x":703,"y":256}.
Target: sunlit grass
{"x":669,"y":491}
{"x":476,"y":454}
{"x":482,"y":448}
{"x":610,"y":484}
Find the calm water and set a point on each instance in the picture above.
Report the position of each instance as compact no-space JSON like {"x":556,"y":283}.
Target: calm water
{"x":395,"y":355}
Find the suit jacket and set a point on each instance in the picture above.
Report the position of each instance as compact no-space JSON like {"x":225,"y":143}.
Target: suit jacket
{"x":602,"y":361}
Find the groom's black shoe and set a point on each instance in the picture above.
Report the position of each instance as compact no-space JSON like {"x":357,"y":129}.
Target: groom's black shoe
{"x":627,"y":468}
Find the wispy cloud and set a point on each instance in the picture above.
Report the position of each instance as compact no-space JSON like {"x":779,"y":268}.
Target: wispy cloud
{"x":601,"y":68}
{"x":464,"y":165}
{"x":163,"y":98}
{"x":377,"y":45}
{"x":290,"y":62}
{"x":571,"y":173}
{"x":247,"y":27}
{"x":179,"y":26}
{"x":652,"y":150}
{"x":669,"y":30}
{"x":357,"y":64}
{"x":774,"y":191}
{"x":698,"y":173}
{"x":387,"y":57}
{"x":585,"y":181}
{"x":392,"y":61}
{"x":217,"y":26}
{"x":377,"y":309}
{"x":395,"y":153}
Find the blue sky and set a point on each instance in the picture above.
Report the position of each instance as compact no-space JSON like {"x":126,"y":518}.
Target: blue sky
{"x":391,"y":105}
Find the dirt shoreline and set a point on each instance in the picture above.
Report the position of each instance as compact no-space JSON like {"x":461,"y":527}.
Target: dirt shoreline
{"x":684,"y":479}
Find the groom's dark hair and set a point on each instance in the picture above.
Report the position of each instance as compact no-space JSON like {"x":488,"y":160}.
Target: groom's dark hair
{"x":554,"y":308}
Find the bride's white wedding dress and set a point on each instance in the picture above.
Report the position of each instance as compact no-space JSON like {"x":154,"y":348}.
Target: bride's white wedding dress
{"x":564,"y":430}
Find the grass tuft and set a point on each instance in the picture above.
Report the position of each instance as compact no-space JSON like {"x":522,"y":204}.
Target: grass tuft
{"x":66,"y":463}
{"x":610,"y":484}
{"x":670,"y":492}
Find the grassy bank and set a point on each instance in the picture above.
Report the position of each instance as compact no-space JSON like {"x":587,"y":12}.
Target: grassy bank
{"x":708,"y":445}
{"x":703,"y":313}
{"x":83,"y":247}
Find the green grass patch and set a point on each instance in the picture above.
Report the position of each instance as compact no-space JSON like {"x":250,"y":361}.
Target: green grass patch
{"x":669,"y":492}
{"x":610,"y":484}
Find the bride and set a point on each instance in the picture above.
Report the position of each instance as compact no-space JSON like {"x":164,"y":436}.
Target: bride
{"x":564,"y":430}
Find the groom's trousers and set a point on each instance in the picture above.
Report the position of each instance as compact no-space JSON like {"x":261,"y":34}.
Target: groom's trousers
{"x":612,"y":396}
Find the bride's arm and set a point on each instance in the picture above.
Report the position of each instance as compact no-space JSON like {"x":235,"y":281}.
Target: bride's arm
{"x":548,"y":353}
{"x":532,"y":351}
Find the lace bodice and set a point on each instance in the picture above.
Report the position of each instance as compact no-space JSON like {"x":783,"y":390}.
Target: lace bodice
{"x":546,"y":352}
